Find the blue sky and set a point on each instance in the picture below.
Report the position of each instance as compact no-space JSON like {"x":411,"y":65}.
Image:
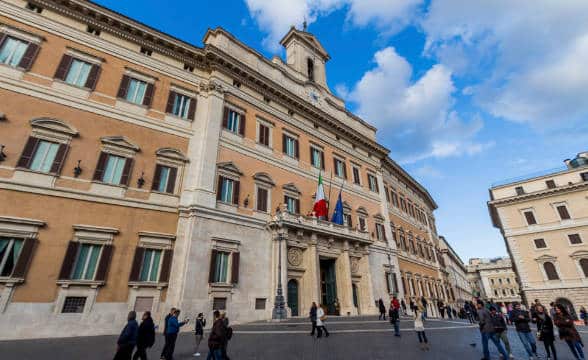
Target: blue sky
{"x":463,"y":93}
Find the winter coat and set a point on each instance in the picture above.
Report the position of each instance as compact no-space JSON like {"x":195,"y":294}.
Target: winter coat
{"x":485,"y":321}
{"x":129,"y":334}
{"x":522,"y":325}
{"x":173,"y":326}
{"x":146,"y":337}
{"x":218,"y":335}
{"x":199,"y":328}
{"x":319,"y":314}
{"x":567,"y":330}
{"x":382,"y":307}
{"x":545,"y":328}
{"x":312,"y":313}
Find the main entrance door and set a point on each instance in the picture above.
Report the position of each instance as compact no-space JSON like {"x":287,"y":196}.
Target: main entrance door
{"x":293,"y":296}
{"x":329,"y":286}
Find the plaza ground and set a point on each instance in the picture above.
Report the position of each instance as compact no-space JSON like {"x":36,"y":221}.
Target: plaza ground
{"x":351,"y":338}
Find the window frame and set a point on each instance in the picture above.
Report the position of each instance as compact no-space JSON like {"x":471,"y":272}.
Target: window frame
{"x":526,"y":219}
{"x":263,"y":123}
{"x":375,"y":188}
{"x":286,"y":136}
{"x":9,"y":247}
{"x":542,"y":247}
{"x":339,"y":163}
{"x":569,"y":236}
{"x":321,"y":156}
{"x":563,"y":215}
{"x":356,"y":173}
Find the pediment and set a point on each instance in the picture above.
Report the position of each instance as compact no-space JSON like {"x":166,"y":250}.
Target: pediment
{"x":121,"y":142}
{"x":54,"y":125}
{"x":264,"y":178}
{"x":346,"y":206}
{"x":546,"y":257}
{"x":361,"y":210}
{"x":229,"y":167}
{"x":291,"y":187}
{"x":579,"y":254}
{"x":172,"y":154}
{"x":379,"y":217}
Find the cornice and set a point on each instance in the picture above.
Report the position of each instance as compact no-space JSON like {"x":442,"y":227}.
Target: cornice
{"x":538,"y":194}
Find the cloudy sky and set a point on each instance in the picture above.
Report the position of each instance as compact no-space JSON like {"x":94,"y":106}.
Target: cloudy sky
{"x":464,"y":93}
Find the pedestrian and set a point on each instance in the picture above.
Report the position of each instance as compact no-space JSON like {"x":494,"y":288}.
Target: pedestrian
{"x":584,"y":315}
{"x":424,"y":302}
{"x":454,"y":313}
{"x":199,"y":331}
{"x":146,"y":336}
{"x":171,"y":334}
{"x":441,"y":308}
{"x":533,"y":310}
{"x":448,"y":308}
{"x":394,"y":315}
{"x":382,"y":309}
{"x":468,"y":310}
{"x":403,"y":305}
{"x":128,"y":338}
{"x":216,"y":339}
{"x":545,"y":331}
{"x":228,"y":335}
{"x":412,"y":306}
{"x":567,"y":331}
{"x":552,"y":309}
{"x":320,"y":322}
{"x":521,"y":320}
{"x":501,"y":329}
{"x":165,"y":345}
{"x":312,"y":316}
{"x":419,"y":327}
{"x":487,"y":332}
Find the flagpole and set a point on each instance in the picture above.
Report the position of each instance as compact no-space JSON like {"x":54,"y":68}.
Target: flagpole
{"x":329,"y":202}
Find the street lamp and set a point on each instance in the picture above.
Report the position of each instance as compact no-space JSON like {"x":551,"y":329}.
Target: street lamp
{"x":279,"y":312}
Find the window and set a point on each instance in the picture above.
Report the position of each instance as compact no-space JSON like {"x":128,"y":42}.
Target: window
{"x":35,"y":8}
{"x":495,"y":292}
{"x":262,"y":199}
{"x":226,"y":190}
{"x":530,"y":217}
{"x":584,"y":176}
{"x":584,"y":266}
{"x":575,"y":239}
{"x":219,"y":303}
{"x":182,"y":106}
{"x":550,"y":271}
{"x":508,"y":280}
{"x":512,"y":292}
{"x":386,"y":191}
{"x":292,"y":204}
{"x":340,"y":169}
{"x":260,"y":304}
{"x":92,"y":30}
{"x":562,"y":210}
{"x":136,"y":91}
{"x":150,"y":265}
{"x":317,"y":158}
{"x":500,"y":281}
{"x":373,"y":183}
{"x":348,"y":220}
{"x":519,"y":190}
{"x":74,"y":304}
{"x":86,"y":261}
{"x":492,"y":281}
{"x":44,"y":156}
{"x":221,"y":267}
{"x":362,"y":225}
{"x":540,"y":243}
{"x":164,"y":179}
{"x":114,"y":169}
{"x":10,"y":249}
{"x":356,"y":177}
{"x":234,"y":121}
{"x":264,"y":135}
{"x":380,"y":232}
{"x":78,"y":73}
{"x":394,"y":199}
{"x":146,"y":51}
{"x":550,"y":184}
{"x":290,"y":146}
{"x":12,"y":51}
{"x":310,"y":69}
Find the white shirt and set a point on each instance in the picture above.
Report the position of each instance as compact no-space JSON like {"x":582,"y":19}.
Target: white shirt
{"x":319,"y":314}
{"x":418,"y":323}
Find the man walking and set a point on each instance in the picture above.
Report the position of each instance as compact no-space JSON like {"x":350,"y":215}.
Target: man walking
{"x":312,"y":316}
{"x":217,"y":338}
{"x":441,"y":308}
{"x":146,"y":337}
{"x":171,"y":335}
{"x":128,"y":338}
{"x":521,"y":320}
{"x":394,"y":314}
{"x":500,"y":329}
{"x":403,"y":304}
{"x":165,"y":344}
{"x":424,"y":302}
{"x":487,"y":332}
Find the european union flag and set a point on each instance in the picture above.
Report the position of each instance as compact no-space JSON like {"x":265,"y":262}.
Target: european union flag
{"x":338,"y":214}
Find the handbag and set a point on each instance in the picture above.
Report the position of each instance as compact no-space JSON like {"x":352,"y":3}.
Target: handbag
{"x":323,"y":318}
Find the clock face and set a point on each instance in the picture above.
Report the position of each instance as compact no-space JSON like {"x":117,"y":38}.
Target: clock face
{"x":313,"y":96}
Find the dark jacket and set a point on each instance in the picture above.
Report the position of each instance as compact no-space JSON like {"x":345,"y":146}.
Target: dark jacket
{"x":218,"y":335}
{"x":146,"y":337}
{"x":165,"y":323}
{"x":545,"y":328}
{"x":567,"y":330}
{"x":173,"y":326}
{"x":498,"y":322}
{"x":200,"y":324}
{"x":382,"y":307}
{"x":312,"y":313}
{"x":129,"y":334}
{"x":522,"y":325}
{"x":485,"y":321}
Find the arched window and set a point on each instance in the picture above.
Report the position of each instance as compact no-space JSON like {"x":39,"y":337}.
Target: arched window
{"x":550,"y":271}
{"x":310,"y":69}
{"x":584,"y":266}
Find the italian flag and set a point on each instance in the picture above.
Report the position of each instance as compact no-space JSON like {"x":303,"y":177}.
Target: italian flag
{"x":320,"y":204}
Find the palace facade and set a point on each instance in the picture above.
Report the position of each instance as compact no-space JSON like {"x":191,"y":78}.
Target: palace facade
{"x":140,"y":172}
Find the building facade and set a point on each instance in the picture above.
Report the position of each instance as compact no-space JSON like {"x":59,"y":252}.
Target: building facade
{"x":494,"y":280}
{"x":544,"y":222}
{"x":459,"y":285}
{"x":141,"y":172}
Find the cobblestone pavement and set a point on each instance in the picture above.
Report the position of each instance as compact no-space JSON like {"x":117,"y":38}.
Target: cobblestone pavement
{"x":351,"y":338}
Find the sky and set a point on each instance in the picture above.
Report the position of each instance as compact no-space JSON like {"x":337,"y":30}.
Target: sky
{"x":463,"y":93}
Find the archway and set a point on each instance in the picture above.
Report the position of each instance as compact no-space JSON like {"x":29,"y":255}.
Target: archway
{"x":568,"y":305}
{"x":293,"y":296}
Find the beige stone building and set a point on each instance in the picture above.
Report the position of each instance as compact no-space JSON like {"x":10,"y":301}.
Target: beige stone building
{"x":544,"y":222}
{"x":457,"y":274}
{"x":141,"y":172}
{"x":493,"y":280}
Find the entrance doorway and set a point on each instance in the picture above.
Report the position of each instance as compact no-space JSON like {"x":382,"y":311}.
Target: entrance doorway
{"x":355,"y":297}
{"x":293,"y":296}
{"x":329,"y":286}
{"x":567,"y":304}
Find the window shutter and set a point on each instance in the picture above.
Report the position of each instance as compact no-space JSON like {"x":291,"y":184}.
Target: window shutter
{"x":297,"y":201}
{"x":27,"y":153}
{"x":104,"y":263}
{"x":166,"y":266}
{"x":344,"y":170}
{"x":63,"y":67}
{"x":335,"y":166}
{"x":242,"y":125}
{"x":262,"y":138}
{"x":377,"y":185}
{"x":171,"y":182}
{"x":29,"y":56}
{"x":322,"y":160}
{"x":219,"y":187}
{"x":212,"y":266}
{"x":24,"y":259}
{"x":68,"y":260}
{"x":236,"y":192}
{"x":59,"y":158}
{"x":170,"y":102}
{"x":235,"y":268}
{"x":156,"y":177}
{"x":2,"y":38}
{"x":93,"y":77}
{"x":226,"y":117}
{"x":284,"y":138}
{"x":124,"y":87}
{"x":192,"y":109}
{"x":126,"y":174}
{"x":148,"y":94}
{"x":99,"y":172}
{"x":137,"y":262}
{"x":296,"y":149}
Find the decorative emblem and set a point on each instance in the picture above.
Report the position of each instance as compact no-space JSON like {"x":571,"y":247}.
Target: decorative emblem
{"x":354,"y":265}
{"x":294,"y":256}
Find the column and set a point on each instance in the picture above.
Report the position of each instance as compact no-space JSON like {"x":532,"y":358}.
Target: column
{"x":344,"y":288}
{"x":311,"y":279}
{"x":366,"y":293}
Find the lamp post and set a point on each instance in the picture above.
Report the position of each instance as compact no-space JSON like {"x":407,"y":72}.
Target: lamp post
{"x":279,"y":312}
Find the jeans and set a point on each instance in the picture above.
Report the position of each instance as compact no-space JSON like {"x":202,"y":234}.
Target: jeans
{"x":550,"y":346}
{"x":397,"y":327}
{"x":320,"y":330}
{"x":215,"y":354}
{"x":576,"y":348}
{"x":496,"y":341}
{"x":170,"y":346}
{"x":313,"y":326}
{"x":422,"y":337}
{"x":528,"y":342}
{"x":504,"y":339}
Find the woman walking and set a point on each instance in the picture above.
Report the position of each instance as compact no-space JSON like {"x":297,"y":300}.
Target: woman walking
{"x":199,"y":331}
{"x":419,"y":327}
{"x":312,"y":316}
{"x":320,"y":322}
{"x":545,"y":331}
{"x":567,"y":331}
{"x":382,"y":309}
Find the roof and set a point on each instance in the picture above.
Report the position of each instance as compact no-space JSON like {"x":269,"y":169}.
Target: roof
{"x":307,"y":38}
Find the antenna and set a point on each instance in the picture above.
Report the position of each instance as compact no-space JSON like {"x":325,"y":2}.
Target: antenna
{"x":304,"y":24}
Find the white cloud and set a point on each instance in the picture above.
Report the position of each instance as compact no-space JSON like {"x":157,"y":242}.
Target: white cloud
{"x":277,"y":16}
{"x":415,"y":119}
{"x":427,"y":171}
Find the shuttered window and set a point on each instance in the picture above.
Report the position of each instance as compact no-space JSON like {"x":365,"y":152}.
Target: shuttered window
{"x":150,"y":265}
{"x":380,"y":232}
{"x":234,"y":121}
{"x":356,"y":176}
{"x":181,"y":105}
{"x":16,"y":52}
{"x":44,"y":156}
{"x":550,"y":271}
{"x":562,"y":210}
{"x":10,"y":249}
{"x":362,"y":225}
{"x":77,"y":72}
{"x":292,"y":204}
{"x":290,"y":146}
{"x":264,"y":135}
{"x":86,"y":262}
{"x":114,"y":169}
{"x":317,"y":158}
{"x":262,"y":199}
{"x":228,"y":190}
{"x":136,"y":91}
{"x":530,"y":217}
{"x":340,"y":169}
{"x":164,"y":179}
{"x":221,"y":267}
{"x":373,"y":183}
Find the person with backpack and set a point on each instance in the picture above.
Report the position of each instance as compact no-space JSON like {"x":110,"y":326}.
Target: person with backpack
{"x":545,"y":331}
{"x":521,"y":320}
{"x":501,"y":329}
{"x":487,"y":332}
{"x":320,"y":322}
{"x":199,"y":331}
{"x":217,"y":338}
{"x":146,"y":337}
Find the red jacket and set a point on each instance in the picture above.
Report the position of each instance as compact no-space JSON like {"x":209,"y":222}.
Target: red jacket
{"x":396,"y":304}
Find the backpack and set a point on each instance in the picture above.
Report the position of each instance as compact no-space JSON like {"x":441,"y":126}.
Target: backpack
{"x":498,"y":323}
{"x":229,"y":333}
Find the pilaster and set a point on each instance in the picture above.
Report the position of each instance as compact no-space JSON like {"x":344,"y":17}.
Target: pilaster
{"x":344,"y":288}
